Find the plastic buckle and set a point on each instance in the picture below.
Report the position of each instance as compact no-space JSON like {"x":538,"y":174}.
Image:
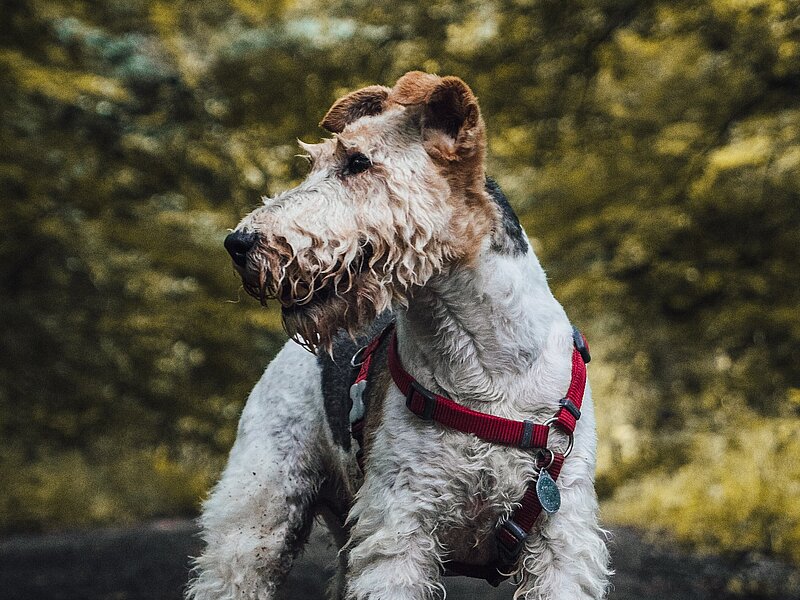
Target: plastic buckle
{"x":570,"y":407}
{"x":428,"y":401}
{"x":509,"y":551}
{"x":527,"y":434}
{"x":580,"y":345}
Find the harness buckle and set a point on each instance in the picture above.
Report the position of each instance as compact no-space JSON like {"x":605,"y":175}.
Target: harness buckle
{"x":580,"y":345}
{"x":510,"y":541}
{"x":428,"y":401}
{"x":570,"y":407}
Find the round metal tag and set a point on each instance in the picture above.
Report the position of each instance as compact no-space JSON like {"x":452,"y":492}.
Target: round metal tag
{"x":547,"y":492}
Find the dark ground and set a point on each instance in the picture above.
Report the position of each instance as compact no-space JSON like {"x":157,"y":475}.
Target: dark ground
{"x":149,"y":562}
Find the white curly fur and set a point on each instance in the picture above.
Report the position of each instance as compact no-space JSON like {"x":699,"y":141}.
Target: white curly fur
{"x":473,"y":322}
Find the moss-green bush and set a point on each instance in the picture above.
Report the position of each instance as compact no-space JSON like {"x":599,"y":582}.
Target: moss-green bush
{"x":739,"y":489}
{"x":651,"y":148}
{"x":111,"y":484}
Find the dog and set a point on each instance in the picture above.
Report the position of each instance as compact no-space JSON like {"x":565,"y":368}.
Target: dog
{"x":397,"y":241}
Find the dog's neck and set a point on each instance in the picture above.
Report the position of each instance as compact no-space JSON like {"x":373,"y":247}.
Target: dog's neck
{"x":474,"y":329}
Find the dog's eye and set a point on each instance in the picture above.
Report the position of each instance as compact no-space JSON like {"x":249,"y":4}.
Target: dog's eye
{"x":357,"y":163}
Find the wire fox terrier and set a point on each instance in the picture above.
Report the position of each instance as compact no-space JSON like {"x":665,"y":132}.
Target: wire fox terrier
{"x":398,"y":230}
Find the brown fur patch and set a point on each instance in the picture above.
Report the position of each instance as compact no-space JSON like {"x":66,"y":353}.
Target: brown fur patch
{"x":454,"y":137}
{"x":451,"y":119}
{"x":361,"y":103}
{"x":414,"y":87}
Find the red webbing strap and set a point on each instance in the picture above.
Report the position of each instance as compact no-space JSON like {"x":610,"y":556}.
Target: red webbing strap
{"x":490,"y":428}
{"x":565,"y":418}
{"x":369,"y":349}
{"x":357,"y":427}
{"x":512,"y":533}
{"x":530,"y":508}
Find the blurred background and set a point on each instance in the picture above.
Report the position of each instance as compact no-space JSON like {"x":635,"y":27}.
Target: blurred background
{"x":651,"y":149}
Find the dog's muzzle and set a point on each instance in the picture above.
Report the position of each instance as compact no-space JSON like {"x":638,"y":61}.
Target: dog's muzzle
{"x":238,"y":244}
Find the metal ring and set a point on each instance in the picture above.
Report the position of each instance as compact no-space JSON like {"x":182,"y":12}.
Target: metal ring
{"x":358,"y":353}
{"x":548,"y":465}
{"x":571,"y":441}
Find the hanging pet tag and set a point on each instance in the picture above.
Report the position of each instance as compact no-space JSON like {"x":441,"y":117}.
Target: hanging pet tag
{"x":356,"y":393}
{"x":547,"y":492}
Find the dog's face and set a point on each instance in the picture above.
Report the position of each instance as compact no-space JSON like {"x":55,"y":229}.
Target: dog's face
{"x":394,"y":197}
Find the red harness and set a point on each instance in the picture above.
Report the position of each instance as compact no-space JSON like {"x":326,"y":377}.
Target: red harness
{"x":511,"y":532}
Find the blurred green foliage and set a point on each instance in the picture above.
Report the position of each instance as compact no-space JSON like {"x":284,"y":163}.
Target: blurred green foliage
{"x":652,"y":149}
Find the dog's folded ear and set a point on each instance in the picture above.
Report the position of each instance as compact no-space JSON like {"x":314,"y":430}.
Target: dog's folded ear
{"x":361,"y":103}
{"x":451,"y":119}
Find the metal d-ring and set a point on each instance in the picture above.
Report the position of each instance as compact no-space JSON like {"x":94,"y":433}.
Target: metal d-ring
{"x":571,"y":441}
{"x":356,"y":356}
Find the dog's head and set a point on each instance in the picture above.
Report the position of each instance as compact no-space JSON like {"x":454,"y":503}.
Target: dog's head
{"x":394,"y":197}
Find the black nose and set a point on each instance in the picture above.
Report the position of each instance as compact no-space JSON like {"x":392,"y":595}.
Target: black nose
{"x":238,"y":244}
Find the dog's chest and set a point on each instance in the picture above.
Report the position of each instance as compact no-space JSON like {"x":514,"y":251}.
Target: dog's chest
{"x":467,"y":484}
{"x":485,"y":482}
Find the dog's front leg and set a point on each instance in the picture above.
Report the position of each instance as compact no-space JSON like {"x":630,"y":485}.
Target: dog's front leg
{"x":394,"y":554}
{"x":260,"y":513}
{"x":567,"y":558}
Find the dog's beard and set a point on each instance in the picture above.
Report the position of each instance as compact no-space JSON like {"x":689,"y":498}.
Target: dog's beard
{"x":323,"y":289}
{"x":317,"y":299}
{"x":314,"y":326}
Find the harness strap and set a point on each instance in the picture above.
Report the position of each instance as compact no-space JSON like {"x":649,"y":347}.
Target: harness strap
{"x":357,"y":424}
{"x":367,"y":351}
{"x":433,"y":407}
{"x":512,"y":532}
{"x":570,"y":411}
